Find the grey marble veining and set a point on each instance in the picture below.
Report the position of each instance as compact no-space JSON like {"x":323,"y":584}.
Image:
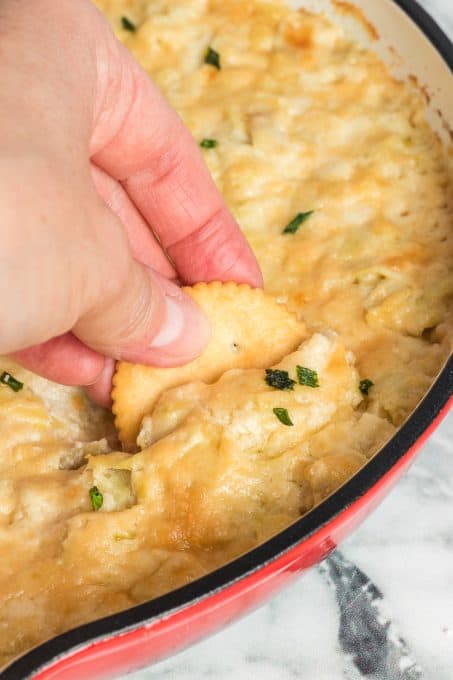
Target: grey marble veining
{"x":442,"y":11}
{"x":381,"y":609}
{"x":404,"y":550}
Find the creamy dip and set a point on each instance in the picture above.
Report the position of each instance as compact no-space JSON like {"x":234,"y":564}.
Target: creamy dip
{"x":311,"y":131}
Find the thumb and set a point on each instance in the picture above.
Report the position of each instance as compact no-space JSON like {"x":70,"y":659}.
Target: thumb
{"x":147,"y":319}
{"x":66,"y":265}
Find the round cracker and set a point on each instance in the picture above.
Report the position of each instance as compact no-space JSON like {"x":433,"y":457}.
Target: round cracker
{"x":249,"y":329}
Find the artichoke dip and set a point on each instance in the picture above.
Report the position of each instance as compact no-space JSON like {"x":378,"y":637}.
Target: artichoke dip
{"x":345,"y":195}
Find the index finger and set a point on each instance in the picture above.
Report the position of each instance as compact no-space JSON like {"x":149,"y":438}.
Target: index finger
{"x":141,"y":141}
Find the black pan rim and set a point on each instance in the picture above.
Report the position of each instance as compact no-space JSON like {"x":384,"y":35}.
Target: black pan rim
{"x":418,"y":423}
{"x":253,"y":561}
{"x":435,"y":34}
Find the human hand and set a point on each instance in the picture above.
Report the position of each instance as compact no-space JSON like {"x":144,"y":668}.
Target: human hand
{"x":102,"y":188}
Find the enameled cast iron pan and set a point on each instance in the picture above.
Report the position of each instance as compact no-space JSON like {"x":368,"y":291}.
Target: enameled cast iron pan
{"x":413,"y":45}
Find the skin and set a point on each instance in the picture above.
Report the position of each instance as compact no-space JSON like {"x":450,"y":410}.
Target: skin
{"x":105,"y":204}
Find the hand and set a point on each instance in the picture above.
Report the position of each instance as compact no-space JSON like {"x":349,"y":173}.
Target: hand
{"x":104,"y":198}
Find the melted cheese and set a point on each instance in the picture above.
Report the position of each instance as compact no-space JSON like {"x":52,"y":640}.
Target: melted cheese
{"x":305,"y":119}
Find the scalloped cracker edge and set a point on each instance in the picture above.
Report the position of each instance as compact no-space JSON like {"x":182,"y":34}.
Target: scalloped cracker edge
{"x":249,"y":329}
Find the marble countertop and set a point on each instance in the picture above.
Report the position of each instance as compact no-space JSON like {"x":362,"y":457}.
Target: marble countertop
{"x":394,"y":576}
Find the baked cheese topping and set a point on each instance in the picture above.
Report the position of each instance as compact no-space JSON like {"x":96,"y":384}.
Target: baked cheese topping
{"x":344,"y":193}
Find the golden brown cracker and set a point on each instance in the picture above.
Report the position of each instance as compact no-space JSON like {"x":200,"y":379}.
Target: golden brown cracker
{"x":249,"y":329}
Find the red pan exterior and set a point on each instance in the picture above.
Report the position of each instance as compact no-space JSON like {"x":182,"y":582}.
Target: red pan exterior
{"x":137,"y":648}
{"x":147,"y":633}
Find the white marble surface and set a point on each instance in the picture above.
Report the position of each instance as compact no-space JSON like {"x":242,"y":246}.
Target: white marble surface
{"x":405,"y":548}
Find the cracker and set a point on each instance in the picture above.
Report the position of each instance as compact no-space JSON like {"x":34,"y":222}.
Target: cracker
{"x":249,"y":329}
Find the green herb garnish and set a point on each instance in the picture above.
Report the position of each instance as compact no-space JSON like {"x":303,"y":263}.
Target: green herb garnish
{"x":8,"y":379}
{"x":96,"y":498}
{"x":364,"y":386}
{"x":212,"y":58}
{"x":294,"y":225}
{"x":307,"y":377}
{"x":128,"y":25}
{"x":208,"y":143}
{"x":283,"y":416}
{"x":279,"y":379}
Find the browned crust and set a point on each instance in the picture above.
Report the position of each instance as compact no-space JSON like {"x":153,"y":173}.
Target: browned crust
{"x":348,"y":8}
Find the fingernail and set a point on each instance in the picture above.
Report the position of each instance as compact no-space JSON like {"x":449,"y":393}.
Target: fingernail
{"x":101,"y":389}
{"x":173,"y":325}
{"x":185,"y":331}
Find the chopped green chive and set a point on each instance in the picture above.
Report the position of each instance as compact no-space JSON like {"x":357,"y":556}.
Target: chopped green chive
{"x":283,"y":416}
{"x":96,"y":498}
{"x":212,"y":58}
{"x":208,"y":143}
{"x":279,"y":379}
{"x":128,"y":25}
{"x":8,"y":379}
{"x":307,"y":377}
{"x":364,"y":386}
{"x":294,"y":225}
